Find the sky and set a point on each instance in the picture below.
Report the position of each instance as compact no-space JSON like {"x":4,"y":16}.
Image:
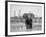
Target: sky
{"x":36,"y":10}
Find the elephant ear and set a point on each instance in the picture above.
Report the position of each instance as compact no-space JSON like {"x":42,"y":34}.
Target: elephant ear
{"x":25,"y":15}
{"x":32,"y":15}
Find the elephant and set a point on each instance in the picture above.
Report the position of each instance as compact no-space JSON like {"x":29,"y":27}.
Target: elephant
{"x":28,"y":21}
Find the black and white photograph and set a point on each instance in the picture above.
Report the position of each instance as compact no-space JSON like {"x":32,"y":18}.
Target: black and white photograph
{"x":25,"y":18}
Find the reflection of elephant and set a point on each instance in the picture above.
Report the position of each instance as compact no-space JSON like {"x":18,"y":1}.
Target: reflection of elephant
{"x":28,"y":21}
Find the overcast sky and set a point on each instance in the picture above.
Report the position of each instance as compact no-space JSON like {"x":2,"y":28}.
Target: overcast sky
{"x":36,"y":10}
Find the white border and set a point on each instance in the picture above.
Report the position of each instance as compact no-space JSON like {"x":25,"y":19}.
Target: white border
{"x":32,"y":32}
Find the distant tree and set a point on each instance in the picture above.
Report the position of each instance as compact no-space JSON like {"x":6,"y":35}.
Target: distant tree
{"x":40,"y":17}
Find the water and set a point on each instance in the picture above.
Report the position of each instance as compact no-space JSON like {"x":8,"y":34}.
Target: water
{"x":21,"y":27}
